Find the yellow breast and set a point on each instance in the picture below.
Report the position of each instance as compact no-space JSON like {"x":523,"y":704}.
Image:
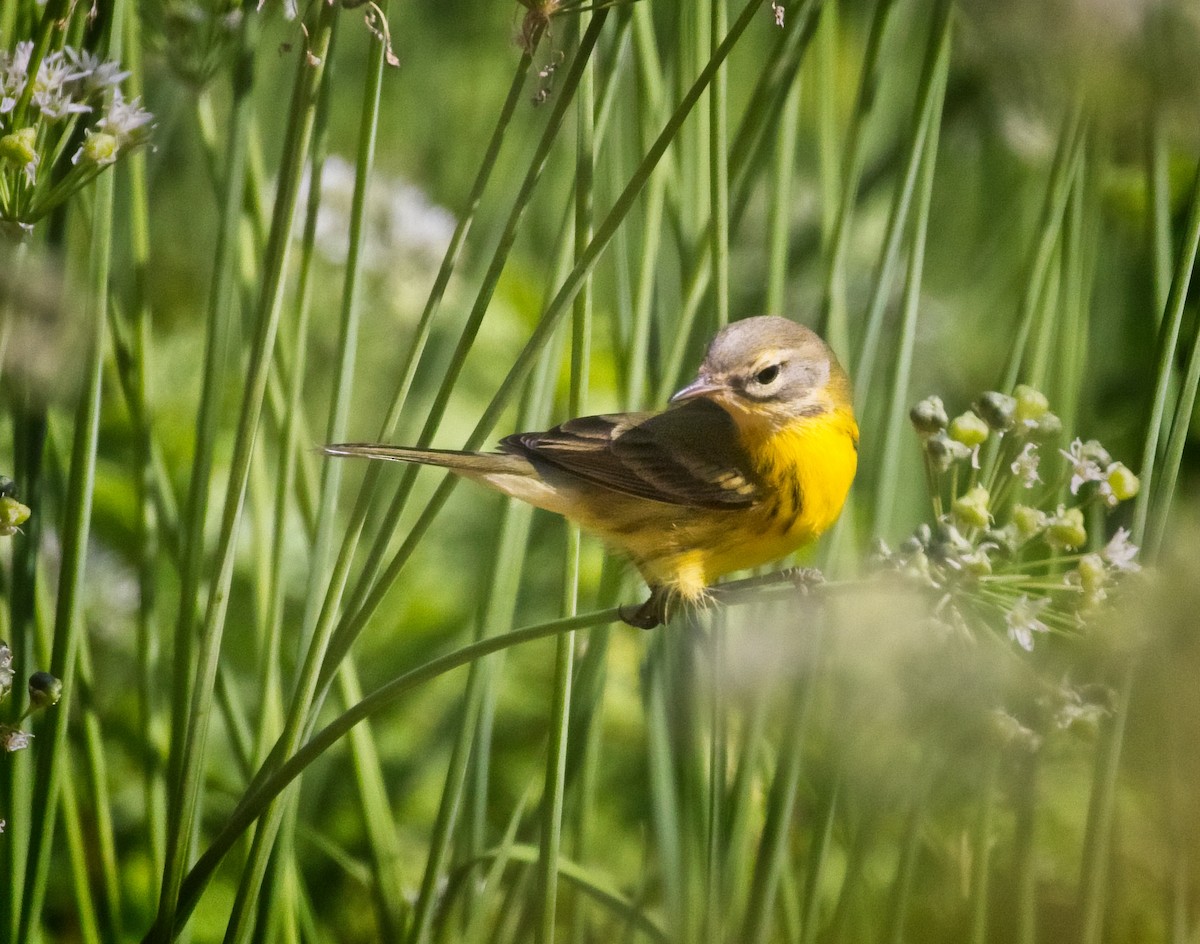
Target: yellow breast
{"x":805,"y":471}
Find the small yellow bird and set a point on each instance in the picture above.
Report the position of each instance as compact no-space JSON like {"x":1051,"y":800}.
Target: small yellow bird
{"x":753,"y":460}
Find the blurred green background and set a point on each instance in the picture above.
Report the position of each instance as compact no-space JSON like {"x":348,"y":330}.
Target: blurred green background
{"x":879,"y":779}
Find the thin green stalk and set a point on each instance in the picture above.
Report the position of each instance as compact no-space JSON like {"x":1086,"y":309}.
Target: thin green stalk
{"x":382,"y":835}
{"x":825,"y":85}
{"x":1093,"y":879}
{"x":1168,"y":477}
{"x":1158,"y":218}
{"x":564,"y":655}
{"x":765,"y":101}
{"x":781,"y":801}
{"x":817,"y":863}
{"x":323,"y":615}
{"x":744,"y":808}
{"x":75,"y":528}
{"x":937,"y":67}
{"x":584,"y":763}
{"x":1080,"y":247}
{"x":1062,"y":173}
{"x":218,"y":335}
{"x":77,"y":852}
{"x":102,"y":841}
{"x":29,"y":440}
{"x":1168,"y":342}
{"x":889,"y":256}
{"x":664,"y":810}
{"x":491,"y":883}
{"x":981,"y":848}
{"x":598,"y":889}
{"x":779,"y":214}
{"x":835,"y":318}
{"x":339,"y":406}
{"x":188,"y":785}
{"x":906,"y":868}
{"x":498,"y":609}
{"x":1025,"y":869}
{"x":271,"y":683}
{"x":146,"y":482}
{"x":364,"y":591}
{"x":254,"y":803}
{"x":718,"y":167}
{"x":1048,"y":308}
{"x":718,"y":722}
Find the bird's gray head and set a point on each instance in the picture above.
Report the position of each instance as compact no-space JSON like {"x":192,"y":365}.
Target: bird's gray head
{"x":772,"y":368}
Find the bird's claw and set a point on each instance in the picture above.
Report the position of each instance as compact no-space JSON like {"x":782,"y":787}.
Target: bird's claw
{"x":805,"y":579}
{"x":652,"y":613}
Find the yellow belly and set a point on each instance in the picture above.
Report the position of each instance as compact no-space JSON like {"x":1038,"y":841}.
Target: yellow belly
{"x":806,"y":472}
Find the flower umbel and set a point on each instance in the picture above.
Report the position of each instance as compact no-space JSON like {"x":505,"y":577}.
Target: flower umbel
{"x":1022,"y":567}
{"x":41,"y":109}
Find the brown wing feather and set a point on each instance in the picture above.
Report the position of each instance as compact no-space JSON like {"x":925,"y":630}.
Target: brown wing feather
{"x":686,"y":456}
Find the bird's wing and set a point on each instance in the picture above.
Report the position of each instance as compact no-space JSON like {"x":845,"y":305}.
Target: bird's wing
{"x":689,"y":455}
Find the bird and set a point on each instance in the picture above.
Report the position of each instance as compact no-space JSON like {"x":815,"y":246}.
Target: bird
{"x":750,"y":461}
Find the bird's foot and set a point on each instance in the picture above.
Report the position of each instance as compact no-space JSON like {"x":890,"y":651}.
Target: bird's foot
{"x":805,"y":579}
{"x":654,"y":612}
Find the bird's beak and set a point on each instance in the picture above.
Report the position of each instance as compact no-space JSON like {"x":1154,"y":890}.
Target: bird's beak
{"x":697,"y":388}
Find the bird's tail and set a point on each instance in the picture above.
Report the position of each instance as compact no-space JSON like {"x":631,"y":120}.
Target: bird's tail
{"x":464,"y":463}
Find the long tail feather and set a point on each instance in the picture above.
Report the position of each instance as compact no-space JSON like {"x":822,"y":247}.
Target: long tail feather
{"x":464,"y":463}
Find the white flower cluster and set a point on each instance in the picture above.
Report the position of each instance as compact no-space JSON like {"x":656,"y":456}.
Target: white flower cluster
{"x":38,"y":115}
{"x":402,"y":223}
{"x":993,"y":556}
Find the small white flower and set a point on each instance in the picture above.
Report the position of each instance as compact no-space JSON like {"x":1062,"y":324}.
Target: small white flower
{"x":1088,"y":462}
{"x":1022,"y":620}
{"x":123,"y":119}
{"x":97,"y":75}
{"x":1025,"y":466}
{"x":12,"y":739}
{"x":1120,"y":552}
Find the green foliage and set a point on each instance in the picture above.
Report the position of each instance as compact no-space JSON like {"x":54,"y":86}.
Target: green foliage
{"x":546,"y":208}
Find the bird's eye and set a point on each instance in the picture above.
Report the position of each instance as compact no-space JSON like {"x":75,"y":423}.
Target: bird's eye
{"x":767,"y":375}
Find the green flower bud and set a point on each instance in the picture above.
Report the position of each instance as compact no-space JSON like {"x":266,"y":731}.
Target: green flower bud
{"x":1124,"y":483}
{"x":100,"y":147}
{"x":971,"y":509}
{"x":928,"y":416}
{"x":997,"y":409}
{"x":19,"y":147}
{"x":1032,"y":404}
{"x":1066,"y":530}
{"x":969,"y":430}
{"x":1048,"y":426}
{"x":12,"y":515}
{"x":44,"y":690}
{"x":944,"y":452}
{"x":1092,"y":574}
{"x":1029,"y":521}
